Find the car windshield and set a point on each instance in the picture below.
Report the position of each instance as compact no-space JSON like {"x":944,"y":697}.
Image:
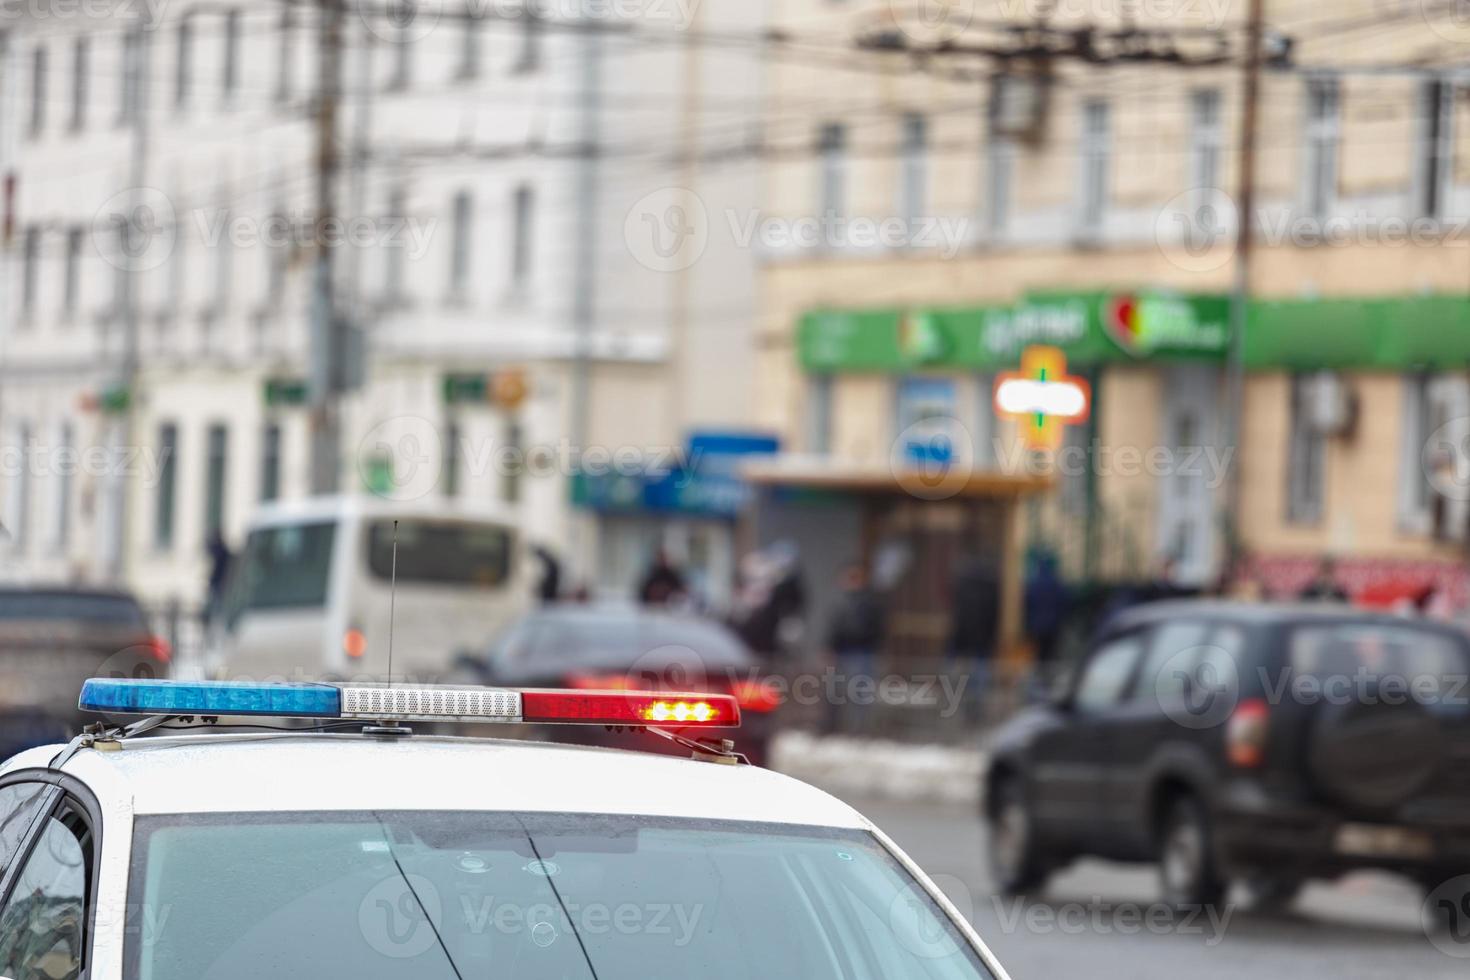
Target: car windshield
{"x":283,"y":567}
{"x":625,"y":638}
{"x":526,"y":896}
{"x":79,"y":607}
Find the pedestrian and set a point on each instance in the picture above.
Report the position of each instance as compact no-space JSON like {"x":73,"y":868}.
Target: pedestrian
{"x":220,"y":560}
{"x":548,"y":586}
{"x":1048,"y":602}
{"x":663,"y":583}
{"x":974,"y":619}
{"x":855,"y":635}
{"x":1324,"y":587}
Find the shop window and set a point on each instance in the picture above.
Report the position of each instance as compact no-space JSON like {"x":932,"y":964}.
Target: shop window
{"x":819,"y":414}
{"x":1307,"y":462}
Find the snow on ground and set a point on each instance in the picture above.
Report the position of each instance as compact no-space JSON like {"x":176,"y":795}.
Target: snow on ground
{"x":874,"y":768}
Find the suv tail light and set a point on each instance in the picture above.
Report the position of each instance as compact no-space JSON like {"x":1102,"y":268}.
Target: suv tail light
{"x":157,"y":648}
{"x":1245,"y":734}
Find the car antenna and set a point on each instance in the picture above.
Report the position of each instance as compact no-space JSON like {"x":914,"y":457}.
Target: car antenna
{"x":392,"y":597}
{"x":390,"y":729}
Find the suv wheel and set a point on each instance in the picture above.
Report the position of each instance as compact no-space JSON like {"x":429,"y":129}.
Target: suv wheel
{"x":1015,"y":859}
{"x":1187,"y":858}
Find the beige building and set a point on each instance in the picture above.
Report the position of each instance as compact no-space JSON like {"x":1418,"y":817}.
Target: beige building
{"x":928,"y":220}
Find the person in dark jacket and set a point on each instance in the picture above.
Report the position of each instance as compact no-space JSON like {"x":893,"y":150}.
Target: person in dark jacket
{"x":220,"y":560}
{"x":1324,"y":587}
{"x":663,"y":583}
{"x":974,"y":619}
{"x":855,"y":635}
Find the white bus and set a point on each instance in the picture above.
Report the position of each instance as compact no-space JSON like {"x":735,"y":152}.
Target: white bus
{"x":307,"y":594}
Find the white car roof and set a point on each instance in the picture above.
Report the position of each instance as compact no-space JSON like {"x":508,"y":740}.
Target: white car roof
{"x":313,"y":771}
{"x":367,"y":507}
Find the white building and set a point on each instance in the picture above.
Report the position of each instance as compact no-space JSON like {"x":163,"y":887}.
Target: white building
{"x":478,"y":211}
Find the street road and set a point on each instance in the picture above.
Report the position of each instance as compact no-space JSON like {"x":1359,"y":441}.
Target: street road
{"x":1099,"y":920}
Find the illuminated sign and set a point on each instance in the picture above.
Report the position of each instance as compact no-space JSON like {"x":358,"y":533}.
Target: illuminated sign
{"x":1042,"y":397}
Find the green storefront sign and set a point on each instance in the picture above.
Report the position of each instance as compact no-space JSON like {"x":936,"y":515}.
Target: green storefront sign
{"x":1399,"y":333}
{"x":1091,"y":327}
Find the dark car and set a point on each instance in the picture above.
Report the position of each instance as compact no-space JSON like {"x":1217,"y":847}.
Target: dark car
{"x":629,"y":647}
{"x":51,"y":640}
{"x":1266,"y":745}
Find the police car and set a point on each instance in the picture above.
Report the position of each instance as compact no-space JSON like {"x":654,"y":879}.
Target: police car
{"x":356,"y":849}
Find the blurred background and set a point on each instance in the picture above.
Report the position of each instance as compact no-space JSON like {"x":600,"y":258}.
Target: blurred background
{"x":864,"y":357}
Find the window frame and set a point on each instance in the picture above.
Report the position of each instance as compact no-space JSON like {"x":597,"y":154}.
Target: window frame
{"x":67,"y":791}
{"x":1138,"y":635}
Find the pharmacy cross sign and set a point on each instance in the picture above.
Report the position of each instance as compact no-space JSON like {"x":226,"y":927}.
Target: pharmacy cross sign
{"x":1042,"y":397}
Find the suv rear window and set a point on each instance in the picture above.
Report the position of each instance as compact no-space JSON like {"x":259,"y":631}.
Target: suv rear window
{"x":1423,"y":664}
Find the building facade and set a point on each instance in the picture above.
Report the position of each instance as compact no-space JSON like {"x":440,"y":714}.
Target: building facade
{"x":161,"y":212}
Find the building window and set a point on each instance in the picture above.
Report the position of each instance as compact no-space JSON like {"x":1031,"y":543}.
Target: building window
{"x":64,"y":471}
{"x":459,"y":259}
{"x":394,"y":288}
{"x":469,"y":46}
{"x":1095,"y":160}
{"x":402,"y":60}
{"x":222,"y":259}
{"x":183,"y":61}
{"x":38,"y":90}
{"x":286,"y":55}
{"x":531,"y":33}
{"x":913,"y":189}
{"x":230,"y":64}
{"x":452,"y":437}
{"x":987,"y":425}
{"x":1307,"y":461}
{"x":71,"y":283}
{"x":128,"y":91}
{"x":1000,"y":157}
{"x":20,"y":500}
{"x":277,"y":258}
{"x":215,"y":471}
{"x":819,"y":414}
{"x":523,"y":209}
{"x":1321,"y":146}
{"x":1205,"y":139}
{"x":510,"y":478}
{"x":168,"y":478}
{"x":80,"y":58}
{"x":1436,"y":146}
{"x":270,"y":462}
{"x":832,"y":151}
{"x":30,"y":282}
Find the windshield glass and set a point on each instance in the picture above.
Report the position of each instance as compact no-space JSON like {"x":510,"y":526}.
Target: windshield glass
{"x":526,"y":896}
{"x":283,"y":567}
{"x":441,"y":552}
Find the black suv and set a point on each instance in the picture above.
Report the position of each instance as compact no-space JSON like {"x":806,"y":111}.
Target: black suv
{"x":1252,"y":743}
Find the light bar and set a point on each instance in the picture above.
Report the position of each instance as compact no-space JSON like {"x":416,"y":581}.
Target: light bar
{"x":408,"y":702}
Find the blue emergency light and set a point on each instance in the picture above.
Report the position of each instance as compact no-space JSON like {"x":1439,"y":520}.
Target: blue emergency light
{"x":410,"y":702}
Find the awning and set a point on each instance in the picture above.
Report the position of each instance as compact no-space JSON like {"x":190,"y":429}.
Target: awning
{"x":850,"y":477}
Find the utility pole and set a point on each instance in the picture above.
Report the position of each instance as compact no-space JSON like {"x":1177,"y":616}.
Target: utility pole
{"x":584,"y":283}
{"x":1241,"y":289}
{"x":133,"y":240}
{"x":322,"y":380}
